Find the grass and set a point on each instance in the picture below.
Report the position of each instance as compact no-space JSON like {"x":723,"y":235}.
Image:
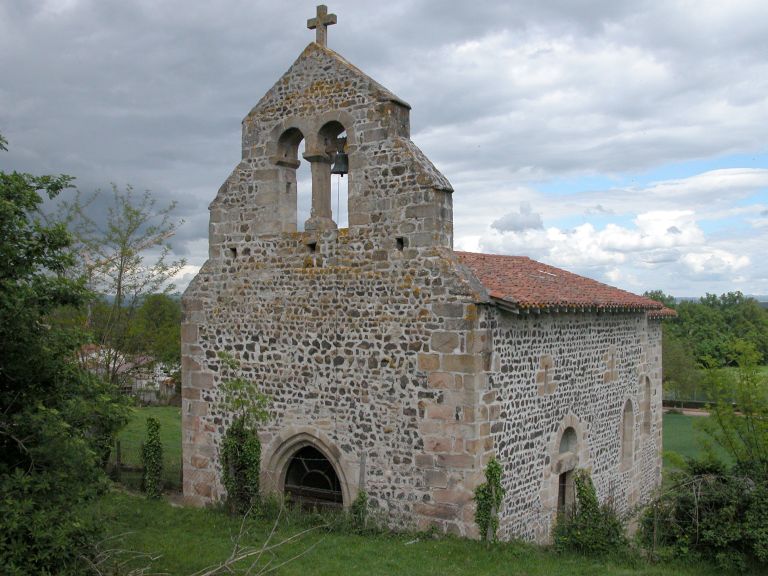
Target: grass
{"x":187,"y":540}
{"x":134,"y":433}
{"x":681,"y":436}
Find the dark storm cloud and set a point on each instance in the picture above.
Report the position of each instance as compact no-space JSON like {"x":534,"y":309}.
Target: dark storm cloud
{"x":152,"y":93}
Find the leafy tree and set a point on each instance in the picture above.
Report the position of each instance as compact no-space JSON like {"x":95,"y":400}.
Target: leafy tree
{"x":714,"y":323}
{"x":125,"y":258}
{"x":738,"y":421}
{"x":155,"y":329}
{"x":56,"y":420}
{"x":680,"y":374}
{"x":667,"y":299}
{"x":715,"y":507}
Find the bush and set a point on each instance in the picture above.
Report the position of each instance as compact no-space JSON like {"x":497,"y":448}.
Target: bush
{"x":359,"y":510}
{"x":241,"y":461}
{"x":152,"y":461}
{"x":488,"y":497}
{"x":590,"y":528}
{"x":710,"y":513}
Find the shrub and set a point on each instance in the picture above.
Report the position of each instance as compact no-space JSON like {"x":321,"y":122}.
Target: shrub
{"x":590,"y":528}
{"x":152,"y":460}
{"x":240,"y":461}
{"x":709,"y":512}
{"x":488,"y":497}
{"x":241,"y":449}
{"x":359,"y":510}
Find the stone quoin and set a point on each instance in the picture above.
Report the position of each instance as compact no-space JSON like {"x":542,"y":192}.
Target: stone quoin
{"x":395,"y":364}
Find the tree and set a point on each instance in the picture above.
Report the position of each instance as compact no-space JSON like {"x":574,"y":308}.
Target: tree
{"x":155,"y":329}
{"x":712,"y":325}
{"x":125,"y":259}
{"x":717,"y":507}
{"x":680,"y":374}
{"x":56,"y":419}
{"x":667,"y":299}
{"x":738,"y":421}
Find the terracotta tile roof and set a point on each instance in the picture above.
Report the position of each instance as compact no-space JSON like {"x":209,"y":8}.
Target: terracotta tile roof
{"x":528,"y":284}
{"x":663,"y":313}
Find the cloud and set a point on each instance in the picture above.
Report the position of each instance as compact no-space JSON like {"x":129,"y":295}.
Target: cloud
{"x":598,"y":210}
{"x":715,"y":262}
{"x":619,"y":254}
{"x":508,"y":98}
{"x":519,"y":221}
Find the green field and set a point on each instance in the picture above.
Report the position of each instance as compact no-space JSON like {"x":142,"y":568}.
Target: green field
{"x":134,"y":433}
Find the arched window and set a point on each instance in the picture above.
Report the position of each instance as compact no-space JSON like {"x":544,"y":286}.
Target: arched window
{"x":569,"y":441}
{"x":312,"y":481}
{"x":627,"y":436}
{"x":294,"y":180}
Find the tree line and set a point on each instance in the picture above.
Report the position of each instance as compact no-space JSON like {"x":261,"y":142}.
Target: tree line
{"x":711,"y":332}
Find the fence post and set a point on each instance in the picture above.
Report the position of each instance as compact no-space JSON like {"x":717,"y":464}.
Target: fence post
{"x":118,"y":461}
{"x":181,"y":474}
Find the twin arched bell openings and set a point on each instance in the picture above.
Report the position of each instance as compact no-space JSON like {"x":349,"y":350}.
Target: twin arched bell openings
{"x":314,"y":194}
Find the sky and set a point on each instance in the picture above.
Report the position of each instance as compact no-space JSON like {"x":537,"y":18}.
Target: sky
{"x":625,"y":141}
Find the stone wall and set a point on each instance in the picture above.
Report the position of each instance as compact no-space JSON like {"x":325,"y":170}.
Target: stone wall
{"x":366,"y":338}
{"x":554,"y":371}
{"x":375,"y":359}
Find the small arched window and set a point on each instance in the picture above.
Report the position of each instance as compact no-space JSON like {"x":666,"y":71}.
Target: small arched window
{"x":627,"y":436}
{"x":568,"y":441}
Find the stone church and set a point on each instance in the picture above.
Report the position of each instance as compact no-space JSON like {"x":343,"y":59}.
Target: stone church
{"x":395,"y":364}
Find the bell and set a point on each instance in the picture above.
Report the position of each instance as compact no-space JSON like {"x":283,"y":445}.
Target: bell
{"x":340,"y":164}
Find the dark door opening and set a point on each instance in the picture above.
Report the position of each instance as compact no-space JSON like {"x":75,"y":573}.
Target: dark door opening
{"x":565,"y":493}
{"x":311,"y":480}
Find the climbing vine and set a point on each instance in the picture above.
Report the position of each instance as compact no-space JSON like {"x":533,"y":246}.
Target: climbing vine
{"x":591,"y":528}
{"x":152,"y":460}
{"x":241,"y":449}
{"x":488,"y":497}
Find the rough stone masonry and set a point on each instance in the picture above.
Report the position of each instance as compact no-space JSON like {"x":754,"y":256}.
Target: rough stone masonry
{"x":394,"y":364}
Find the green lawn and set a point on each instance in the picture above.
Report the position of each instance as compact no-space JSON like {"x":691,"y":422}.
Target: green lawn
{"x":187,"y":540}
{"x":680,"y":436}
{"x":134,"y":433}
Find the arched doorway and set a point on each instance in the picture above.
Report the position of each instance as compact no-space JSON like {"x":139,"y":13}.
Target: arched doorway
{"x":311,"y":480}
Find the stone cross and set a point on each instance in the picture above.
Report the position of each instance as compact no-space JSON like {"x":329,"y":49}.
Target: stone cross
{"x":320,"y":24}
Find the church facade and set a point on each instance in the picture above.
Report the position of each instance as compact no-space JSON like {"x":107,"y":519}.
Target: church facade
{"x":395,"y":364}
